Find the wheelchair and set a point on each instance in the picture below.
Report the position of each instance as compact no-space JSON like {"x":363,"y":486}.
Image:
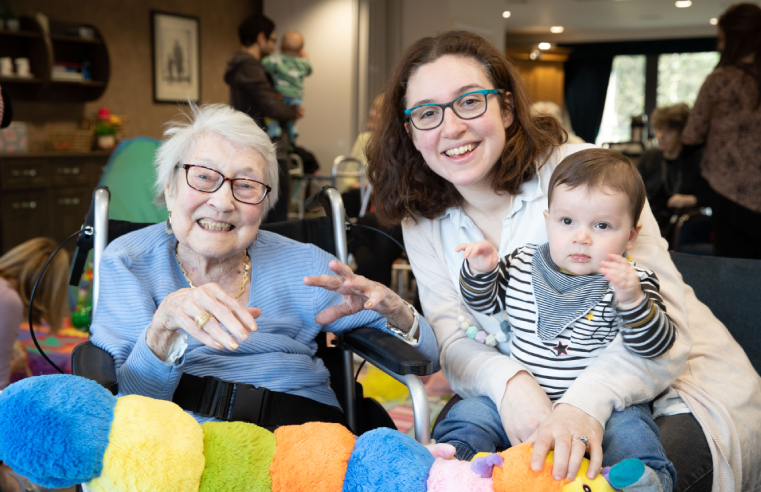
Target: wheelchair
{"x":389,"y":353}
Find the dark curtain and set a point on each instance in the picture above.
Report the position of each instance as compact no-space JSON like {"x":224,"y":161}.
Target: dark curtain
{"x":586,"y":83}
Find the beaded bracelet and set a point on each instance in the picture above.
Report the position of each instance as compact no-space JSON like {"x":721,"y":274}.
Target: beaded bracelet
{"x":480,"y":336}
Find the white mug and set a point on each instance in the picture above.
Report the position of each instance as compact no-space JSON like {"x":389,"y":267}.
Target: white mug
{"x":22,"y":67}
{"x":6,"y":66}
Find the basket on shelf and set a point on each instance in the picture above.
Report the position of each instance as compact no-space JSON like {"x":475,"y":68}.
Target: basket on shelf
{"x":120,"y":127}
{"x":72,"y":140}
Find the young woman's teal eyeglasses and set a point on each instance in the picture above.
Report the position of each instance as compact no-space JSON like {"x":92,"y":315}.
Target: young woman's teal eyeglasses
{"x":466,"y":107}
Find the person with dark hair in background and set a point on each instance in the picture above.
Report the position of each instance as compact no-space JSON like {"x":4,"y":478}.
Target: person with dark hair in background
{"x":672,"y":177}
{"x":252,"y":92}
{"x":727,"y":119}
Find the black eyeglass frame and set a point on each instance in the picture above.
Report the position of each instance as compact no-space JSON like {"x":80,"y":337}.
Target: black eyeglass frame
{"x":187,"y":167}
{"x":485,"y":92}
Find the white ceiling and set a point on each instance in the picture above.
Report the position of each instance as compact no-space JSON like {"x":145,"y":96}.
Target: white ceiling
{"x":609,"y":20}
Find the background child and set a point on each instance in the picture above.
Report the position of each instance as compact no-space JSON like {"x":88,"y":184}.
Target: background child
{"x":288,"y":69}
{"x":566,"y":300}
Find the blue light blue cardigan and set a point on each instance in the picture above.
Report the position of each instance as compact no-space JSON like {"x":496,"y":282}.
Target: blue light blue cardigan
{"x":138,"y":270}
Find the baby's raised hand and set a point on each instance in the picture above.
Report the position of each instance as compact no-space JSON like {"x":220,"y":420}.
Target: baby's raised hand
{"x":624,"y":279}
{"x":482,"y":256}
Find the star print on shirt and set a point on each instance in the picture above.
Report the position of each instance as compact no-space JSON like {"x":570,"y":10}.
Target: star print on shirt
{"x":561,"y":349}
{"x":589,"y":316}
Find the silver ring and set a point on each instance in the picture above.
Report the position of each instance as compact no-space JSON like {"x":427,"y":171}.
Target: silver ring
{"x":582,"y":439}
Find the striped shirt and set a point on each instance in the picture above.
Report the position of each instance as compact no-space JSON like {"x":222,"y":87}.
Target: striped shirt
{"x":555,"y":363}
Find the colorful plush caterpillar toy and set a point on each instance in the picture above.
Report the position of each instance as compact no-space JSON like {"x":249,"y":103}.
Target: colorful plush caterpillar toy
{"x":64,"y":430}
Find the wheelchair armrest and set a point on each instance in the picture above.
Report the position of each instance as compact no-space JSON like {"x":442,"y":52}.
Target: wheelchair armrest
{"x":94,"y":363}
{"x":386,"y":350}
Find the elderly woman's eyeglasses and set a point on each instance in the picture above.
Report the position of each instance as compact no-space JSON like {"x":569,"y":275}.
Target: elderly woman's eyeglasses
{"x":466,"y":107}
{"x":208,"y":181}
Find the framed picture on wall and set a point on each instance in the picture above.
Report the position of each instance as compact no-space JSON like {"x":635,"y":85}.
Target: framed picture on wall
{"x":176,"y":41}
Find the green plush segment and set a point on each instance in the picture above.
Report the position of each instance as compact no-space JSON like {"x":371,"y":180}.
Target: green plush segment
{"x":238,"y":457}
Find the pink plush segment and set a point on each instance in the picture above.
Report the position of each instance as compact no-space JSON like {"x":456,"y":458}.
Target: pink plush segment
{"x":456,"y":476}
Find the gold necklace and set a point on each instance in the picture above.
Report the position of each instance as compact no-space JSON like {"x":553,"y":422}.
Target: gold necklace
{"x":246,"y":270}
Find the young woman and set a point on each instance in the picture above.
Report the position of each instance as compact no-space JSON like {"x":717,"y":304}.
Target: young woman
{"x":19,"y":269}
{"x":727,"y":119}
{"x":458,"y":158}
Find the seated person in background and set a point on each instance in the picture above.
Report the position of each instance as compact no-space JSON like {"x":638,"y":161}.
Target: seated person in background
{"x":565,"y":301}
{"x":672,"y":178}
{"x":288,"y":69}
{"x":19,"y":269}
{"x":552,"y":109}
{"x":209,"y":294}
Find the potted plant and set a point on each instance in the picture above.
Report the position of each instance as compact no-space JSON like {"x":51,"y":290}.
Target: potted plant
{"x":106,"y":133}
{"x":11,"y":17}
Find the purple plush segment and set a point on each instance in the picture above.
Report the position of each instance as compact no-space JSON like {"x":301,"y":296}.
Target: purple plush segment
{"x":54,"y":429}
{"x":484,"y":465}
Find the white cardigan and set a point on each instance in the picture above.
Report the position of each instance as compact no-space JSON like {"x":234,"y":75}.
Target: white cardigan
{"x":707,"y":368}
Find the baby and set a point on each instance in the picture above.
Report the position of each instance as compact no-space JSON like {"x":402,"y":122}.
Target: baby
{"x":566,"y":300}
{"x":288,"y":69}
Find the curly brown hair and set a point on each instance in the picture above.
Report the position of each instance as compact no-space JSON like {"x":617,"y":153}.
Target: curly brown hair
{"x":403,"y":184}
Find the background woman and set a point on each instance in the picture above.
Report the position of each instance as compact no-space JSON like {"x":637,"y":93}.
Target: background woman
{"x":209,"y":294}
{"x":19,"y":269}
{"x":455,"y":176}
{"x":727,"y":119}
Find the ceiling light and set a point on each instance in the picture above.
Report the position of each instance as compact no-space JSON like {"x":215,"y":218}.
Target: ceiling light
{"x":557,"y":29}
{"x":506,"y":14}
{"x":683,"y":4}
{"x":544,"y":46}
{"x":713,"y":21}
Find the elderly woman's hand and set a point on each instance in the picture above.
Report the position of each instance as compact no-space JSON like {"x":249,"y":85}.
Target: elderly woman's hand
{"x":181,"y":309}
{"x":358,"y":294}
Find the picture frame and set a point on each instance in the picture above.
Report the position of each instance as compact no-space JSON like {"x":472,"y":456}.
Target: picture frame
{"x":176,"y":50}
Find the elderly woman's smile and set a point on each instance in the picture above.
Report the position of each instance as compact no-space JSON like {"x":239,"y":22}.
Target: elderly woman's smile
{"x":215,"y":224}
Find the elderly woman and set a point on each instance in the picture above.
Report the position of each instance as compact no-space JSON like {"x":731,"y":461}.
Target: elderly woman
{"x":457,"y":158}
{"x":209,"y":294}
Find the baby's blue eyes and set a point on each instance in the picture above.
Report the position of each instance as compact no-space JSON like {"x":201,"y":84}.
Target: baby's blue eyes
{"x":566,"y":221}
{"x":603,"y":225}
{"x":600,"y":225}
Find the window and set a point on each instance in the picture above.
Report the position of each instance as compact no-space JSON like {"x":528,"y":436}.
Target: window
{"x":633,"y":88}
{"x":625,"y":98}
{"x":680,"y":76}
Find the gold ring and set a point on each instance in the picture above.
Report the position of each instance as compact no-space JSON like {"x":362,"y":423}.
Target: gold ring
{"x":201,"y":320}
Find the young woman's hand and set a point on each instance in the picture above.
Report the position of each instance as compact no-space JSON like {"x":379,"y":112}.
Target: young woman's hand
{"x":558,"y":432}
{"x":624,"y":279}
{"x":482,"y":256}
{"x":523,"y":408}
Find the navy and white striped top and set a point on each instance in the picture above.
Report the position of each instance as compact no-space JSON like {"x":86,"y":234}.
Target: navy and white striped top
{"x":555,"y":363}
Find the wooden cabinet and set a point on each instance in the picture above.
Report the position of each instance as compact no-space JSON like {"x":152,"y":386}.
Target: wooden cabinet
{"x":47,"y":43}
{"x":45,"y":194}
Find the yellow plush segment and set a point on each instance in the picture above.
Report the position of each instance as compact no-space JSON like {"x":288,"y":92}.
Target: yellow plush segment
{"x":238,"y":457}
{"x":154,"y":445}
{"x":516,"y":473}
{"x":311,"y":457}
{"x":599,"y":484}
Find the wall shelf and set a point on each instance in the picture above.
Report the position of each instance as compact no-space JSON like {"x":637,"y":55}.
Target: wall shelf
{"x":46,"y":43}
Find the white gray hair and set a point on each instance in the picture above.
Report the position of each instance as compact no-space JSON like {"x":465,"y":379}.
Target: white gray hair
{"x":236,"y":127}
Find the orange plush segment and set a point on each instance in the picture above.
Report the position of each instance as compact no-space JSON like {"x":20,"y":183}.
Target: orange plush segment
{"x":311,"y":457}
{"x":516,"y":473}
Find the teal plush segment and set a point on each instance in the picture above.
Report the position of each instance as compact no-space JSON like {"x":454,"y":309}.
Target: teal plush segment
{"x":54,"y":429}
{"x":238,"y":457}
{"x":385,"y":460}
{"x":626,"y":473}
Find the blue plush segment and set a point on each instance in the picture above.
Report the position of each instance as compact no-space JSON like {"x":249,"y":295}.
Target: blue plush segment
{"x":387,"y":460}
{"x":54,"y":429}
{"x":626,"y":473}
